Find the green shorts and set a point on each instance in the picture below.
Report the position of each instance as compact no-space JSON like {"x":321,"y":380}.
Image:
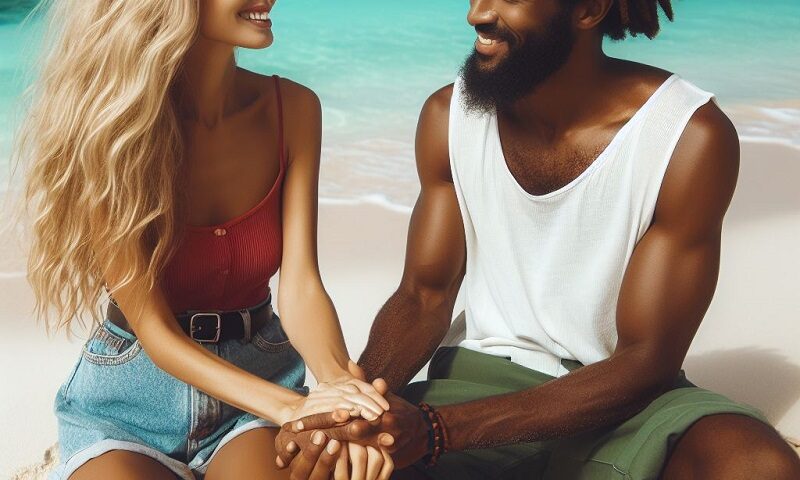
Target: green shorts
{"x":633,"y":450}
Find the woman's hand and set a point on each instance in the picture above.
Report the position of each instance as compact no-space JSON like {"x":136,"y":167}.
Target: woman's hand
{"x":330,"y":397}
{"x":368,"y":401}
{"x":358,"y":462}
{"x":346,"y":392}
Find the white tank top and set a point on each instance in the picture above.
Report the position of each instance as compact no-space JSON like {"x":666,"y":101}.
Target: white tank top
{"x":544,"y":271}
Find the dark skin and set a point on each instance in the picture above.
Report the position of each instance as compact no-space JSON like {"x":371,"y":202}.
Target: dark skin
{"x":549,"y":137}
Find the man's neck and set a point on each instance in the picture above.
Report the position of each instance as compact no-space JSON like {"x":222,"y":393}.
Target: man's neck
{"x":567,"y":96}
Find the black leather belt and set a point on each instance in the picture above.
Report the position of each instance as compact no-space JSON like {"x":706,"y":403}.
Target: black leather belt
{"x":210,"y":326}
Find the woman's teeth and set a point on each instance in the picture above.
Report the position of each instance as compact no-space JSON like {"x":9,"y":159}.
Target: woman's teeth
{"x":255,"y":15}
{"x":485,"y":41}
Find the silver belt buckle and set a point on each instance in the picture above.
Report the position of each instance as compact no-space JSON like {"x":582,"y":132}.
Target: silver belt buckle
{"x":195,"y":325}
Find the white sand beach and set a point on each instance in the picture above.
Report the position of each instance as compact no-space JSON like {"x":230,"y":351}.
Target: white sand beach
{"x":746,"y":347}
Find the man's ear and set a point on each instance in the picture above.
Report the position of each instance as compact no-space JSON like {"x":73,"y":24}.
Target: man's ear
{"x":589,"y":13}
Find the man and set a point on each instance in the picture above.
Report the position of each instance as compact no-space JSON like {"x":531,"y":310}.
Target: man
{"x":578,"y":200}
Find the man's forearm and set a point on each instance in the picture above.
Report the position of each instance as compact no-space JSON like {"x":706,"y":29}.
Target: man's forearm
{"x":594,"y":396}
{"x":404,"y":336}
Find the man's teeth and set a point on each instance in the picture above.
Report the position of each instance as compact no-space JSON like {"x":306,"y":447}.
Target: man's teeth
{"x":255,"y":15}
{"x":485,"y":41}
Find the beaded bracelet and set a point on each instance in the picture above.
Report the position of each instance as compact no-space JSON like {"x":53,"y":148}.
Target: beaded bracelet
{"x":437,"y":445}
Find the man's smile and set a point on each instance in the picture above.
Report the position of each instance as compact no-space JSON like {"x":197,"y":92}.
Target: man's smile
{"x":490,"y":43}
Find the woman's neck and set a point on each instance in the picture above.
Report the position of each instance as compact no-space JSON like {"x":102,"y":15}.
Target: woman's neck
{"x":207,"y":87}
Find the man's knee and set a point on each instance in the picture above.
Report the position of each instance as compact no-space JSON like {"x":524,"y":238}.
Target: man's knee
{"x":408,"y":473}
{"x":732,"y":446}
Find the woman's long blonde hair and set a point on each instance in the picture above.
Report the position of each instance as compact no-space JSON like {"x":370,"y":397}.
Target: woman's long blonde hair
{"x":103,"y":149}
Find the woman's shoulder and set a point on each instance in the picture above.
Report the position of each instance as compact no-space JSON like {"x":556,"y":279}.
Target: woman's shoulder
{"x":302,"y":111}
{"x":294,"y":95}
{"x":297,"y":96}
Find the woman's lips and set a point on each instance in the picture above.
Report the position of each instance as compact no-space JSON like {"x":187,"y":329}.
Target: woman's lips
{"x":259,"y":19}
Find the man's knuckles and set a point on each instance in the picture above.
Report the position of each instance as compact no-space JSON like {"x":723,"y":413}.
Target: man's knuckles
{"x":359,"y":429}
{"x":389,"y":421}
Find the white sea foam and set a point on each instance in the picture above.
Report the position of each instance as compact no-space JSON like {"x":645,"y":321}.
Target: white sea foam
{"x":768,"y":124}
{"x":373,"y":199}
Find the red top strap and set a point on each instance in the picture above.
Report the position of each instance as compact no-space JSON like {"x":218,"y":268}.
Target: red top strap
{"x":280,"y":120}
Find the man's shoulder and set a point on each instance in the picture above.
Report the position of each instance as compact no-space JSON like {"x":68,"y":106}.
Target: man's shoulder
{"x":708,"y":126}
{"x":438,"y":103}
{"x":711,"y":126}
{"x":703,"y":171}
{"x":432,"y":142}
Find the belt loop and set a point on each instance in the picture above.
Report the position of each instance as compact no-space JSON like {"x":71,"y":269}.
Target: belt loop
{"x":247,"y":321}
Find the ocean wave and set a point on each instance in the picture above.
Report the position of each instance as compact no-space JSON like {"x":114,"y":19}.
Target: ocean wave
{"x":372,"y":199}
{"x":779,"y":124}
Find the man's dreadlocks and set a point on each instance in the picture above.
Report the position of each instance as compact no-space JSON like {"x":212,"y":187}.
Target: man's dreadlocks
{"x":634,"y":17}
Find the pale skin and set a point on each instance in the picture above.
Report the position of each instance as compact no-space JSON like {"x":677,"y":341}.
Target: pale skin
{"x":229,"y":116}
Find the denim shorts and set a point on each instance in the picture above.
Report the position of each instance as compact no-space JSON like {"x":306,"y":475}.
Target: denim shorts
{"x":116,"y":398}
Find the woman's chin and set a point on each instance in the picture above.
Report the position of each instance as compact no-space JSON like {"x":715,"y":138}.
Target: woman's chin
{"x":263,"y":41}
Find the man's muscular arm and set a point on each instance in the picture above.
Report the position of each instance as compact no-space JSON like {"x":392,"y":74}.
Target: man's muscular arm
{"x":666,"y":290}
{"x":416,"y":317}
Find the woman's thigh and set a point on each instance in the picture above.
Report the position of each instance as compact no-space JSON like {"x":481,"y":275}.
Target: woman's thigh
{"x":249,"y":455}
{"x":122,"y":465}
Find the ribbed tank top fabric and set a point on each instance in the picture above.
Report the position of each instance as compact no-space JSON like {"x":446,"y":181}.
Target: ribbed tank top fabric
{"x":228,"y":266}
{"x":544,"y":271}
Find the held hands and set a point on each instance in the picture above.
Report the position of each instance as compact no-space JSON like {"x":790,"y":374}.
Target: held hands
{"x":401,"y":432}
{"x":348,"y":392}
{"x":319,"y":456}
{"x":313,"y":455}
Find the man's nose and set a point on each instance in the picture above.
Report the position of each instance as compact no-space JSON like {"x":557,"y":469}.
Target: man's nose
{"x":481,"y":12}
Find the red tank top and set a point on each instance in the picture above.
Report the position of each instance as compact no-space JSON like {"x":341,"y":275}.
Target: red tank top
{"x":228,"y":266}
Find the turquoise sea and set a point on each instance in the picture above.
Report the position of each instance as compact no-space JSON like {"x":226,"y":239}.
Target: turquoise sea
{"x":373,"y":63}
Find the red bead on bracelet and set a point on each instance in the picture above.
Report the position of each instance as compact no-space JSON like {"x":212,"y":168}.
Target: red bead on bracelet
{"x":440,"y":441}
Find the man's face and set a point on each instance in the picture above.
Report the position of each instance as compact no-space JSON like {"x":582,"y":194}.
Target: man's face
{"x":520,"y":44}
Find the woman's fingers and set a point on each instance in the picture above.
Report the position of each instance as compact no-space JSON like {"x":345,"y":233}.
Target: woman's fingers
{"x":354,"y":386}
{"x":388,"y":465}
{"x":368,"y":408}
{"x":369,"y":390}
{"x":381,"y":386}
{"x":355,"y":404}
{"x":318,"y":406}
{"x":358,"y":461}
{"x":363,"y":400}
{"x":374,"y":463}
{"x":342,"y":470}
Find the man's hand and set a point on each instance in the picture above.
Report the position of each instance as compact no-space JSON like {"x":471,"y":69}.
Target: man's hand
{"x":312,"y":455}
{"x":308,"y":460}
{"x":306,"y":457}
{"x":401,"y":430}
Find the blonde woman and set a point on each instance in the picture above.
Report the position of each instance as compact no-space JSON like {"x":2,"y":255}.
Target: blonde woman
{"x":180,"y":183}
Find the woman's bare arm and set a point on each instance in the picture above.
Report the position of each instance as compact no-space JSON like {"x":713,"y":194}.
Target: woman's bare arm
{"x":152,"y":321}
{"x":307,"y":311}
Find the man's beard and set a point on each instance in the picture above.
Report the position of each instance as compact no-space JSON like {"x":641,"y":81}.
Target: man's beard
{"x":524,"y":68}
